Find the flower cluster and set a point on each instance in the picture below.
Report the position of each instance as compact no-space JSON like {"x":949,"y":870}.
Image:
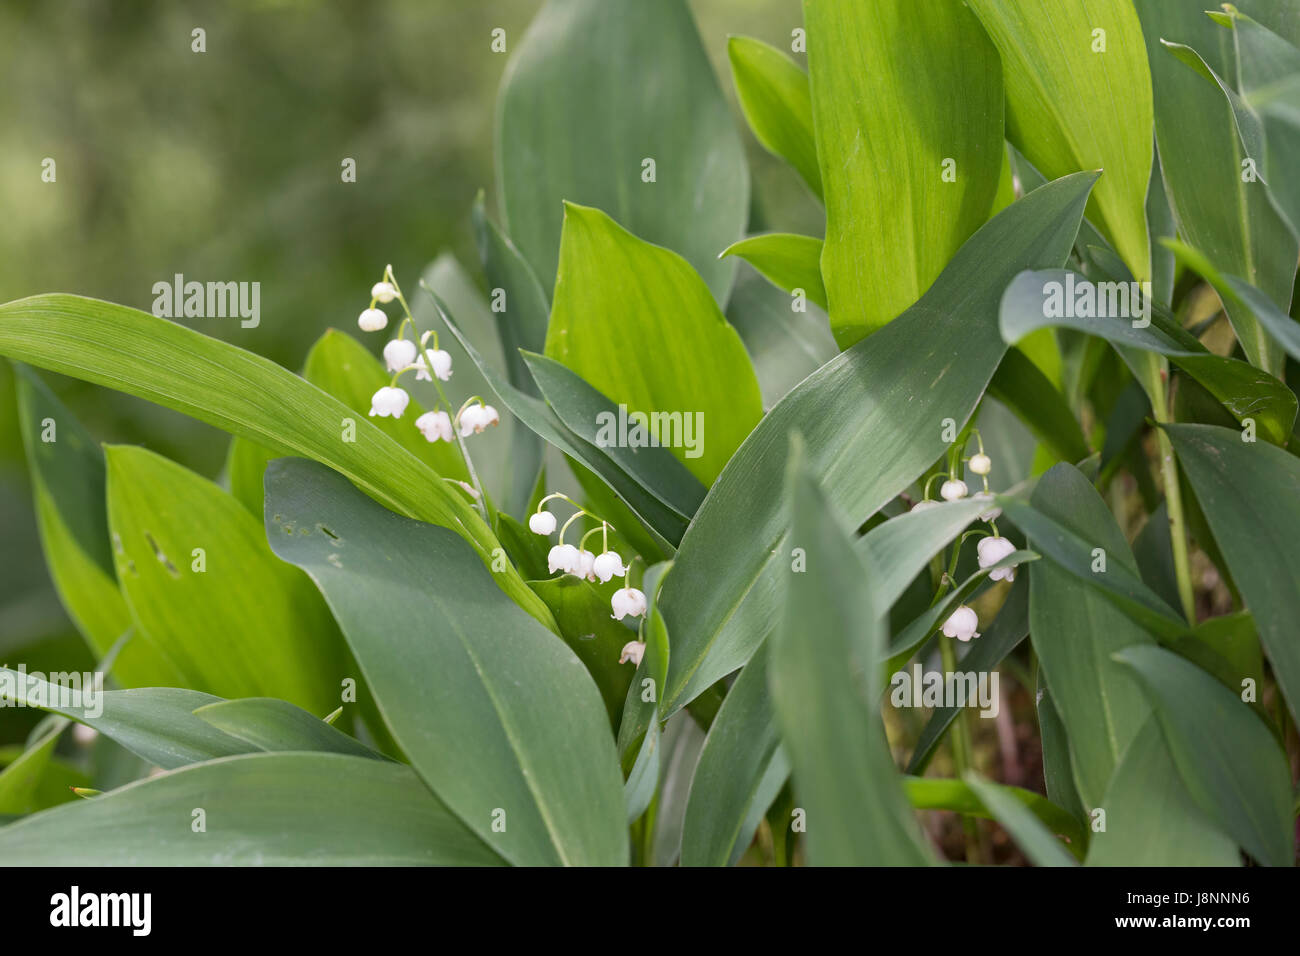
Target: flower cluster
{"x":402,"y":355}
{"x":991,"y":549}
{"x":577,"y":560}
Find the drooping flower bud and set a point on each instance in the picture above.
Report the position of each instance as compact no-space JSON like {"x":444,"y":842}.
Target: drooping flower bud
{"x":389,"y":401}
{"x":398,"y":354}
{"x":961,"y":624}
{"x":980,"y":464}
{"x":543,"y":522}
{"x":372,"y":320}
{"x":383,"y":292}
{"x":953,"y":489}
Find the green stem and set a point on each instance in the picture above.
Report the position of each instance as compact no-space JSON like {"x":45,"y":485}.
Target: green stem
{"x":1157,"y":372}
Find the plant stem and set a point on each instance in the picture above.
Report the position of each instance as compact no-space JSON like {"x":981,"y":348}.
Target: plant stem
{"x":961,"y":755}
{"x":1173,"y":494}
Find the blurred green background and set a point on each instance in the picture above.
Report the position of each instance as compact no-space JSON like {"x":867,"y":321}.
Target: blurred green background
{"x":225,"y":165}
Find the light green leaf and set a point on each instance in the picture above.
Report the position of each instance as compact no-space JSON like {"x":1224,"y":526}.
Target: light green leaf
{"x":786,"y":260}
{"x":1039,"y":843}
{"x":1227,"y":757}
{"x":1232,"y":221}
{"x":1151,"y":819}
{"x":774,"y":96}
{"x":259,"y":810}
{"x":873,"y":419}
{"x":1075,"y":629}
{"x":20,"y":781}
{"x":899,"y":90}
{"x":637,"y":323}
{"x":937,"y":793}
{"x":596,"y":88}
{"x":823,"y":664}
{"x":276,"y":725}
{"x":1248,"y":492}
{"x":494,"y":712}
{"x":206,"y":593}
{"x":1079,"y":97}
{"x":244,"y":394}
{"x":67,"y":475}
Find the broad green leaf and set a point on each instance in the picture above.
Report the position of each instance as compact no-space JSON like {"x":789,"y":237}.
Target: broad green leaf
{"x":738,"y":774}
{"x":207,"y":594}
{"x":596,"y":420}
{"x":521,"y":309}
{"x":1036,"y":300}
{"x":665,"y":522}
{"x":495,"y":712}
{"x":594,"y":90}
{"x":67,"y":473}
{"x":1226,"y":756}
{"x":1248,"y":492}
{"x":1079,"y":97}
{"x":155,"y":723}
{"x":907,"y":103}
{"x":291,"y":809}
{"x":1151,"y":819}
{"x":774,"y":96}
{"x":822,"y":678}
{"x":1075,"y":629}
{"x":637,"y":323}
{"x":937,"y":793}
{"x":1058,"y":774}
{"x":1039,"y":843}
{"x":790,"y":262}
{"x":276,"y":725}
{"x":873,"y":419}
{"x":20,"y":781}
{"x":1232,"y":221}
{"x":591,"y":632}
{"x":785,"y":343}
{"x":244,"y":394}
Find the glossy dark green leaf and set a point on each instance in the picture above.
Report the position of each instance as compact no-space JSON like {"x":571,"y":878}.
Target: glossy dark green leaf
{"x":259,"y":810}
{"x":1226,"y":756}
{"x":596,"y":88}
{"x":873,"y":418}
{"x":495,"y":713}
{"x":907,"y":103}
{"x":1030,"y":304}
{"x":773,"y":93}
{"x":1248,"y":493}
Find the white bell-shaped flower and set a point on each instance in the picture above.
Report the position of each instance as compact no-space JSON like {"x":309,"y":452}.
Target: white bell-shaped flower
{"x":953,"y":489}
{"x":435,"y":426}
{"x":398,"y":354}
{"x":441,"y":362}
{"x":609,"y":565}
{"x":372,"y":320}
{"x":991,"y":551}
{"x":632,"y":651}
{"x":543,"y":522}
{"x":585,"y":560}
{"x":471,"y":420}
{"x":980,"y":464}
{"x":961,"y":624}
{"x":389,"y":401}
{"x":383,"y":292}
{"x":627,"y":601}
{"x":491,"y":416}
{"x":562,"y":557}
